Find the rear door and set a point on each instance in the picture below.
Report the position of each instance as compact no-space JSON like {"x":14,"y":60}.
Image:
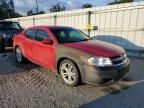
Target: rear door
{"x":43,"y":53}
{"x":29,"y":42}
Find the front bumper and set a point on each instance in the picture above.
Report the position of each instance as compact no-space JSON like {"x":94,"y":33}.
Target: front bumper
{"x":93,"y":74}
{"x":8,"y":42}
{"x":2,"y":41}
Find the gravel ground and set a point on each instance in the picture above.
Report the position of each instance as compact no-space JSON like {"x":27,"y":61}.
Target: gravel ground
{"x":30,"y":86}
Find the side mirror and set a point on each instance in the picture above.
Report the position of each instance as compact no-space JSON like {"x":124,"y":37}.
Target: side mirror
{"x":47,"y":41}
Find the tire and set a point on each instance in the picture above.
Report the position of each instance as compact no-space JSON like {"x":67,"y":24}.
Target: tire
{"x":19,"y":56}
{"x":69,"y":73}
{"x":2,"y":46}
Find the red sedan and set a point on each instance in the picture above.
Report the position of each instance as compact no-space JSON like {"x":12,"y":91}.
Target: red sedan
{"x":72,"y":54}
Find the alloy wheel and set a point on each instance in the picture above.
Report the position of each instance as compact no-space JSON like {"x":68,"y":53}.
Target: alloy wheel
{"x":68,"y":74}
{"x":18,"y":55}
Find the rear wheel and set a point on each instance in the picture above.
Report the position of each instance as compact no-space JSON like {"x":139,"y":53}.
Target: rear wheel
{"x":19,"y":57}
{"x":69,"y":73}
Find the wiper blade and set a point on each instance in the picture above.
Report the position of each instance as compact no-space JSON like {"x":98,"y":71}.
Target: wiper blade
{"x":85,"y":40}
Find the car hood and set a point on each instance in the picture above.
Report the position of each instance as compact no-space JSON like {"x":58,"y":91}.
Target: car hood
{"x":9,"y":32}
{"x":97,"y":48}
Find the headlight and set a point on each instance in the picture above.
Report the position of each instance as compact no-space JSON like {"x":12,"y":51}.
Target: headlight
{"x":100,"y":61}
{"x":125,"y":55}
{"x":4,"y":35}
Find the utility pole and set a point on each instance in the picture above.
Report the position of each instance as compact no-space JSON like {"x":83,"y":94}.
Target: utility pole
{"x":9,"y":15}
{"x":37,"y":8}
{"x":9,"y":11}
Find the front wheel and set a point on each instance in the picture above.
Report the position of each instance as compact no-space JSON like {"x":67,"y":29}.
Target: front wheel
{"x":69,"y":73}
{"x":19,"y":57}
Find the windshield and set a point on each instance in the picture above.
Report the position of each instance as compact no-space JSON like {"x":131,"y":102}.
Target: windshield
{"x":68,"y":35}
{"x":9,"y":26}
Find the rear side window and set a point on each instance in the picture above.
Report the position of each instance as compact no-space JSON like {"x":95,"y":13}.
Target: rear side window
{"x":41,"y":35}
{"x":31,"y":34}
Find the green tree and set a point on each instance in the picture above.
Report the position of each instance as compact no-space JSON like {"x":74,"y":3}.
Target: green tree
{"x":87,"y":5}
{"x":41,"y":12}
{"x":6,"y":13}
{"x":13,"y":14}
{"x":57,"y":8}
{"x":120,"y":1}
{"x":30,"y":13}
{"x":7,"y":9}
{"x":3,"y":14}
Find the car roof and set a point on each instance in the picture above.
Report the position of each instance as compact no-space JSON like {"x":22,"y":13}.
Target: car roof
{"x":7,"y":21}
{"x":49,"y":27}
{"x":57,"y":27}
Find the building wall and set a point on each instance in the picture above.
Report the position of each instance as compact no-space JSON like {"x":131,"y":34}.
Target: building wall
{"x":121,"y":24}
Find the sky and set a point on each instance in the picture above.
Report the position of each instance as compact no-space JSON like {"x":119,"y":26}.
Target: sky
{"x":22,"y":6}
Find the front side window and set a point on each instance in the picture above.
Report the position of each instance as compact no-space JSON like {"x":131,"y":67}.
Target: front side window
{"x":68,"y":35}
{"x":31,"y":34}
{"x":41,"y":35}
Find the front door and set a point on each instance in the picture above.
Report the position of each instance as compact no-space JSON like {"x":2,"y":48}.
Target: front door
{"x":43,"y":53}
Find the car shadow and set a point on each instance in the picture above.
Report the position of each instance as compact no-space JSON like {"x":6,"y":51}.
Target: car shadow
{"x":9,"y":65}
{"x":130,"y":47}
{"x":122,"y":98}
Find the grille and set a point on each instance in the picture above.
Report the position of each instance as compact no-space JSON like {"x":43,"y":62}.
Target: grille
{"x":118,"y":60}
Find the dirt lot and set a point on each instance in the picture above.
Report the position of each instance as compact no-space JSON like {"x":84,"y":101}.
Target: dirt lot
{"x":30,"y":86}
